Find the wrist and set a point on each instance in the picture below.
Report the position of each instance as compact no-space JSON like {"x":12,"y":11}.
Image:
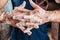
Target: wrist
{"x":52,"y":15}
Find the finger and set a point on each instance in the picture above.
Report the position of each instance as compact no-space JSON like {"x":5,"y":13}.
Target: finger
{"x":33,"y":4}
{"x":20,"y":27}
{"x":2,"y":16}
{"x":18,"y":18}
{"x":22,"y":5}
{"x":23,"y":10}
{"x":30,"y":24}
{"x":28,"y":31}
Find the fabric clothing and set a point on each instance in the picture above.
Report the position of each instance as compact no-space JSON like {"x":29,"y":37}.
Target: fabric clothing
{"x":7,"y":8}
{"x":37,"y":34}
{"x":5,"y":27}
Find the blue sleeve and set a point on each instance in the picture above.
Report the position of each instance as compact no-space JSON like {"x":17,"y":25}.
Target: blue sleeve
{"x":19,"y":2}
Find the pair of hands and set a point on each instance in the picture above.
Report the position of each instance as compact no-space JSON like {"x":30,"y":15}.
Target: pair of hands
{"x":29,"y":18}
{"x":25,"y":19}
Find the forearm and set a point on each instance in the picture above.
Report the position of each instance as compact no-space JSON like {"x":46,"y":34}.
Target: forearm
{"x":54,"y":16}
{"x":2,"y":3}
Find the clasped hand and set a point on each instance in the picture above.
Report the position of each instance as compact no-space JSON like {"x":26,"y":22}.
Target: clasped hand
{"x":29,"y":18}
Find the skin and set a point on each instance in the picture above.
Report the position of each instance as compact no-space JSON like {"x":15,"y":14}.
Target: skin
{"x":8,"y":15}
{"x":2,"y":3}
{"x":57,"y":18}
{"x":38,"y":10}
{"x":21,"y":9}
{"x":57,"y":1}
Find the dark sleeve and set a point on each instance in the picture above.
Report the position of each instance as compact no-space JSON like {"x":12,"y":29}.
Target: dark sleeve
{"x":16,"y":2}
{"x":19,"y":2}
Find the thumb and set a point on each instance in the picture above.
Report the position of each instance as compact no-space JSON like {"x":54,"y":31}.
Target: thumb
{"x":22,"y":5}
{"x":34,"y":5}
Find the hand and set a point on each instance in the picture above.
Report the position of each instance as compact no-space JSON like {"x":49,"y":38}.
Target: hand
{"x":2,"y":17}
{"x":34,"y":15}
{"x":31,"y":18}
